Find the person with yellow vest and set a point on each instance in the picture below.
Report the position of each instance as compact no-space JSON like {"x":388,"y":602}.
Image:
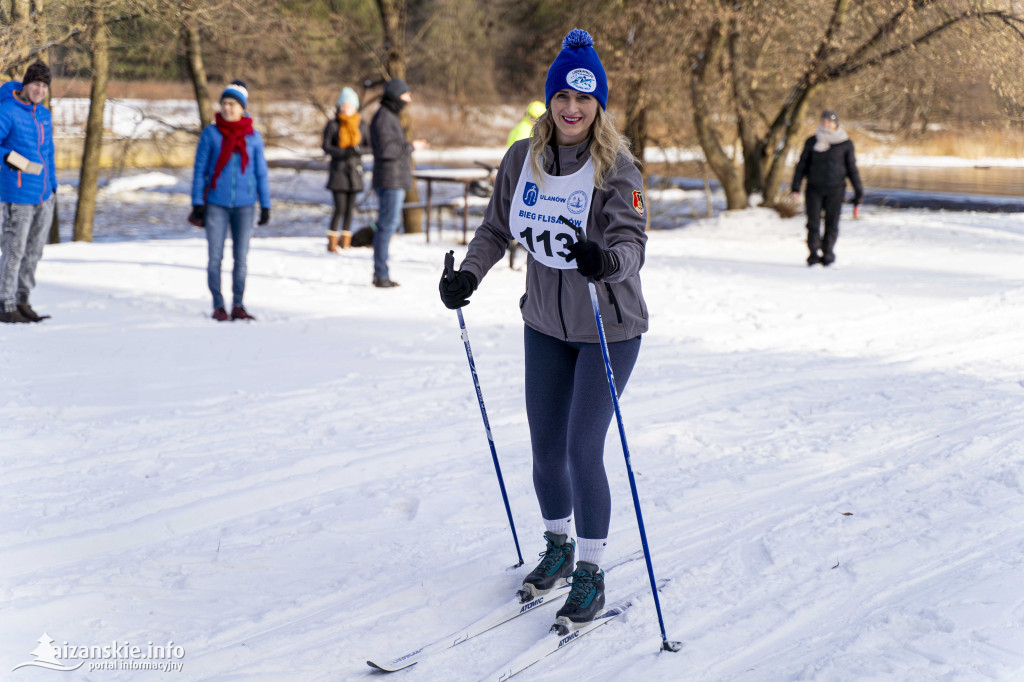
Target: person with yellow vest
{"x":524,"y":127}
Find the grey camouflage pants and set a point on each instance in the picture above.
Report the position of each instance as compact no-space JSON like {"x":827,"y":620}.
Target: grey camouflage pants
{"x":25,"y":229}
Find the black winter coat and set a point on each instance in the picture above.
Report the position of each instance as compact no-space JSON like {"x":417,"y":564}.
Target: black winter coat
{"x":392,"y":168}
{"x":346,"y":171}
{"x":829,"y":169}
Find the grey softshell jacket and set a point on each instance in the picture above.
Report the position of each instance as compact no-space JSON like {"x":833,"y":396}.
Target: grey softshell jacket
{"x":557,"y":302}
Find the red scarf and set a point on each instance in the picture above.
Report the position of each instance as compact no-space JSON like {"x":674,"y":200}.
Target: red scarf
{"x":234,"y":141}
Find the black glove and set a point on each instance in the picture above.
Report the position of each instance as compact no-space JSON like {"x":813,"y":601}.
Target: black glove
{"x":9,"y":164}
{"x":264,"y":216}
{"x":591,"y":259}
{"x":198,"y":215}
{"x":455,"y":293}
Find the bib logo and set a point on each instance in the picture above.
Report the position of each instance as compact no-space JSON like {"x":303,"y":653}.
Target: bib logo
{"x":638,"y":202}
{"x":582,"y":80}
{"x":531,"y":194}
{"x":577,"y":202}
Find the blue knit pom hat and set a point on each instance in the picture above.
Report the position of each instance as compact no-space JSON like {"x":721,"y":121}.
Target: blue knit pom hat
{"x":348,"y":95}
{"x":238,"y":92}
{"x":577,"y":67}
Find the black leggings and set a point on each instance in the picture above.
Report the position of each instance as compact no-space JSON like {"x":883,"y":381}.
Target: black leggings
{"x":343,"y":203}
{"x":569,"y":408}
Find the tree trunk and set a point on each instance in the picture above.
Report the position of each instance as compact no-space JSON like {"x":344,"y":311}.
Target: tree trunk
{"x":782,"y":144}
{"x":392,"y":15}
{"x":719,"y":161}
{"x":197,"y":70}
{"x":89,"y":177}
{"x":636,"y":118}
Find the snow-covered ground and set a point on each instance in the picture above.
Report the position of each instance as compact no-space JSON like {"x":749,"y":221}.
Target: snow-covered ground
{"x":831,"y":462}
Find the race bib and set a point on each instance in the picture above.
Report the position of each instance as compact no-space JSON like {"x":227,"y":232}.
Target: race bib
{"x":536,"y":207}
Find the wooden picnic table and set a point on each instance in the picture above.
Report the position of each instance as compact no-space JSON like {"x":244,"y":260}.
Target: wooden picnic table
{"x":463,"y":176}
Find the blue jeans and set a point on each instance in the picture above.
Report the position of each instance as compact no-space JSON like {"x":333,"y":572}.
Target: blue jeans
{"x":220,"y":219}
{"x":388,"y":222}
{"x":569,"y":409}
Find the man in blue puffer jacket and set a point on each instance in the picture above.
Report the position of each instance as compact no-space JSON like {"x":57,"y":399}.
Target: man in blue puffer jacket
{"x":27,"y":197}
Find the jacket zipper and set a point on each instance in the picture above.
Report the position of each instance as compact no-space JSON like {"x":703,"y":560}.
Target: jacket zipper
{"x":39,"y":148}
{"x":614,"y":302}
{"x":234,"y":179}
{"x":561,"y":317}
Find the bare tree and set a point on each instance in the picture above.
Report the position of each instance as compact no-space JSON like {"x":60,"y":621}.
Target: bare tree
{"x":192,"y":38}
{"x":757,"y":66}
{"x":89,"y":175}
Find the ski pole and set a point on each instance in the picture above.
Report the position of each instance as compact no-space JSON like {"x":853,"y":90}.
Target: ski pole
{"x":666,"y":645}
{"x":449,"y":273}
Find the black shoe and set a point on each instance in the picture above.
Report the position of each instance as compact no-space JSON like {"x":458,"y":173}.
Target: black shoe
{"x":384,"y":283}
{"x":586,"y":599}
{"x":813,"y":259}
{"x":26,"y":311}
{"x":555,"y":565}
{"x":12,"y":317}
{"x":828,"y":259}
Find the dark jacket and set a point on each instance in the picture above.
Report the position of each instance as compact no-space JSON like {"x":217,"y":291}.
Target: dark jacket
{"x":557,"y":302}
{"x":392,"y":167}
{"x":829,"y":169}
{"x":346,"y":171}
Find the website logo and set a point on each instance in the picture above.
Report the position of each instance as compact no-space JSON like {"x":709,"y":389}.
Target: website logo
{"x":46,"y":657}
{"x":114,"y":656}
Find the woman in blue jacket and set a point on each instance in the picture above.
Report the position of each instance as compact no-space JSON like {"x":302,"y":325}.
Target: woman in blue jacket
{"x":229,"y":177}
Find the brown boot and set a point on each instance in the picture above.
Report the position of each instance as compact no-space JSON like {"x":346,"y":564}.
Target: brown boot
{"x":332,"y":241}
{"x":346,"y":239}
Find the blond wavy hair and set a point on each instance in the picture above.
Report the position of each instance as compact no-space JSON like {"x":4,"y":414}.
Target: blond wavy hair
{"x":606,"y":145}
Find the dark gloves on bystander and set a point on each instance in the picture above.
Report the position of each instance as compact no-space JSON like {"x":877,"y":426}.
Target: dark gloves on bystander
{"x":591,"y":259}
{"x":264,"y":216}
{"x":198,"y":215}
{"x":456,"y":291}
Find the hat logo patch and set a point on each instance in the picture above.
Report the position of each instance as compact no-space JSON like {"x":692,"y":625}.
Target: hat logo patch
{"x":582,"y":80}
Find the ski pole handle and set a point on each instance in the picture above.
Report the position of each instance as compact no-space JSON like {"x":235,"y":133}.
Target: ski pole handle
{"x":449,"y":266}
{"x":580,"y":236}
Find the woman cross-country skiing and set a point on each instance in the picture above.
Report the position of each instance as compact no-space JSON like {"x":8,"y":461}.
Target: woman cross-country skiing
{"x":576,"y":165}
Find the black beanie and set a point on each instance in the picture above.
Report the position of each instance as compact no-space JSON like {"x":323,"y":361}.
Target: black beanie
{"x":830,"y":115}
{"x":395,"y":88}
{"x":37,"y":72}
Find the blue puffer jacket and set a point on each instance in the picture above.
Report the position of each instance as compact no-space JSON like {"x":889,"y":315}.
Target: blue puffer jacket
{"x":28,"y":130}
{"x":234,"y":188}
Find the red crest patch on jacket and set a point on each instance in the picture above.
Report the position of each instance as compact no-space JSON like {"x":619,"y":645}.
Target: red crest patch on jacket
{"x":638,"y":201}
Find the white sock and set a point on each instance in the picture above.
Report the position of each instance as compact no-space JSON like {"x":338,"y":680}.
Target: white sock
{"x":590,"y":550}
{"x":560,"y":526}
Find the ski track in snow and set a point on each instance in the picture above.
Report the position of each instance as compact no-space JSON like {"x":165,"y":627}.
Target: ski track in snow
{"x":829,"y":461}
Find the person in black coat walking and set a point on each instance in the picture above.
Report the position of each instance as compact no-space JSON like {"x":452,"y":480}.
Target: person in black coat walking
{"x":827,"y":161}
{"x":346,"y":139}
